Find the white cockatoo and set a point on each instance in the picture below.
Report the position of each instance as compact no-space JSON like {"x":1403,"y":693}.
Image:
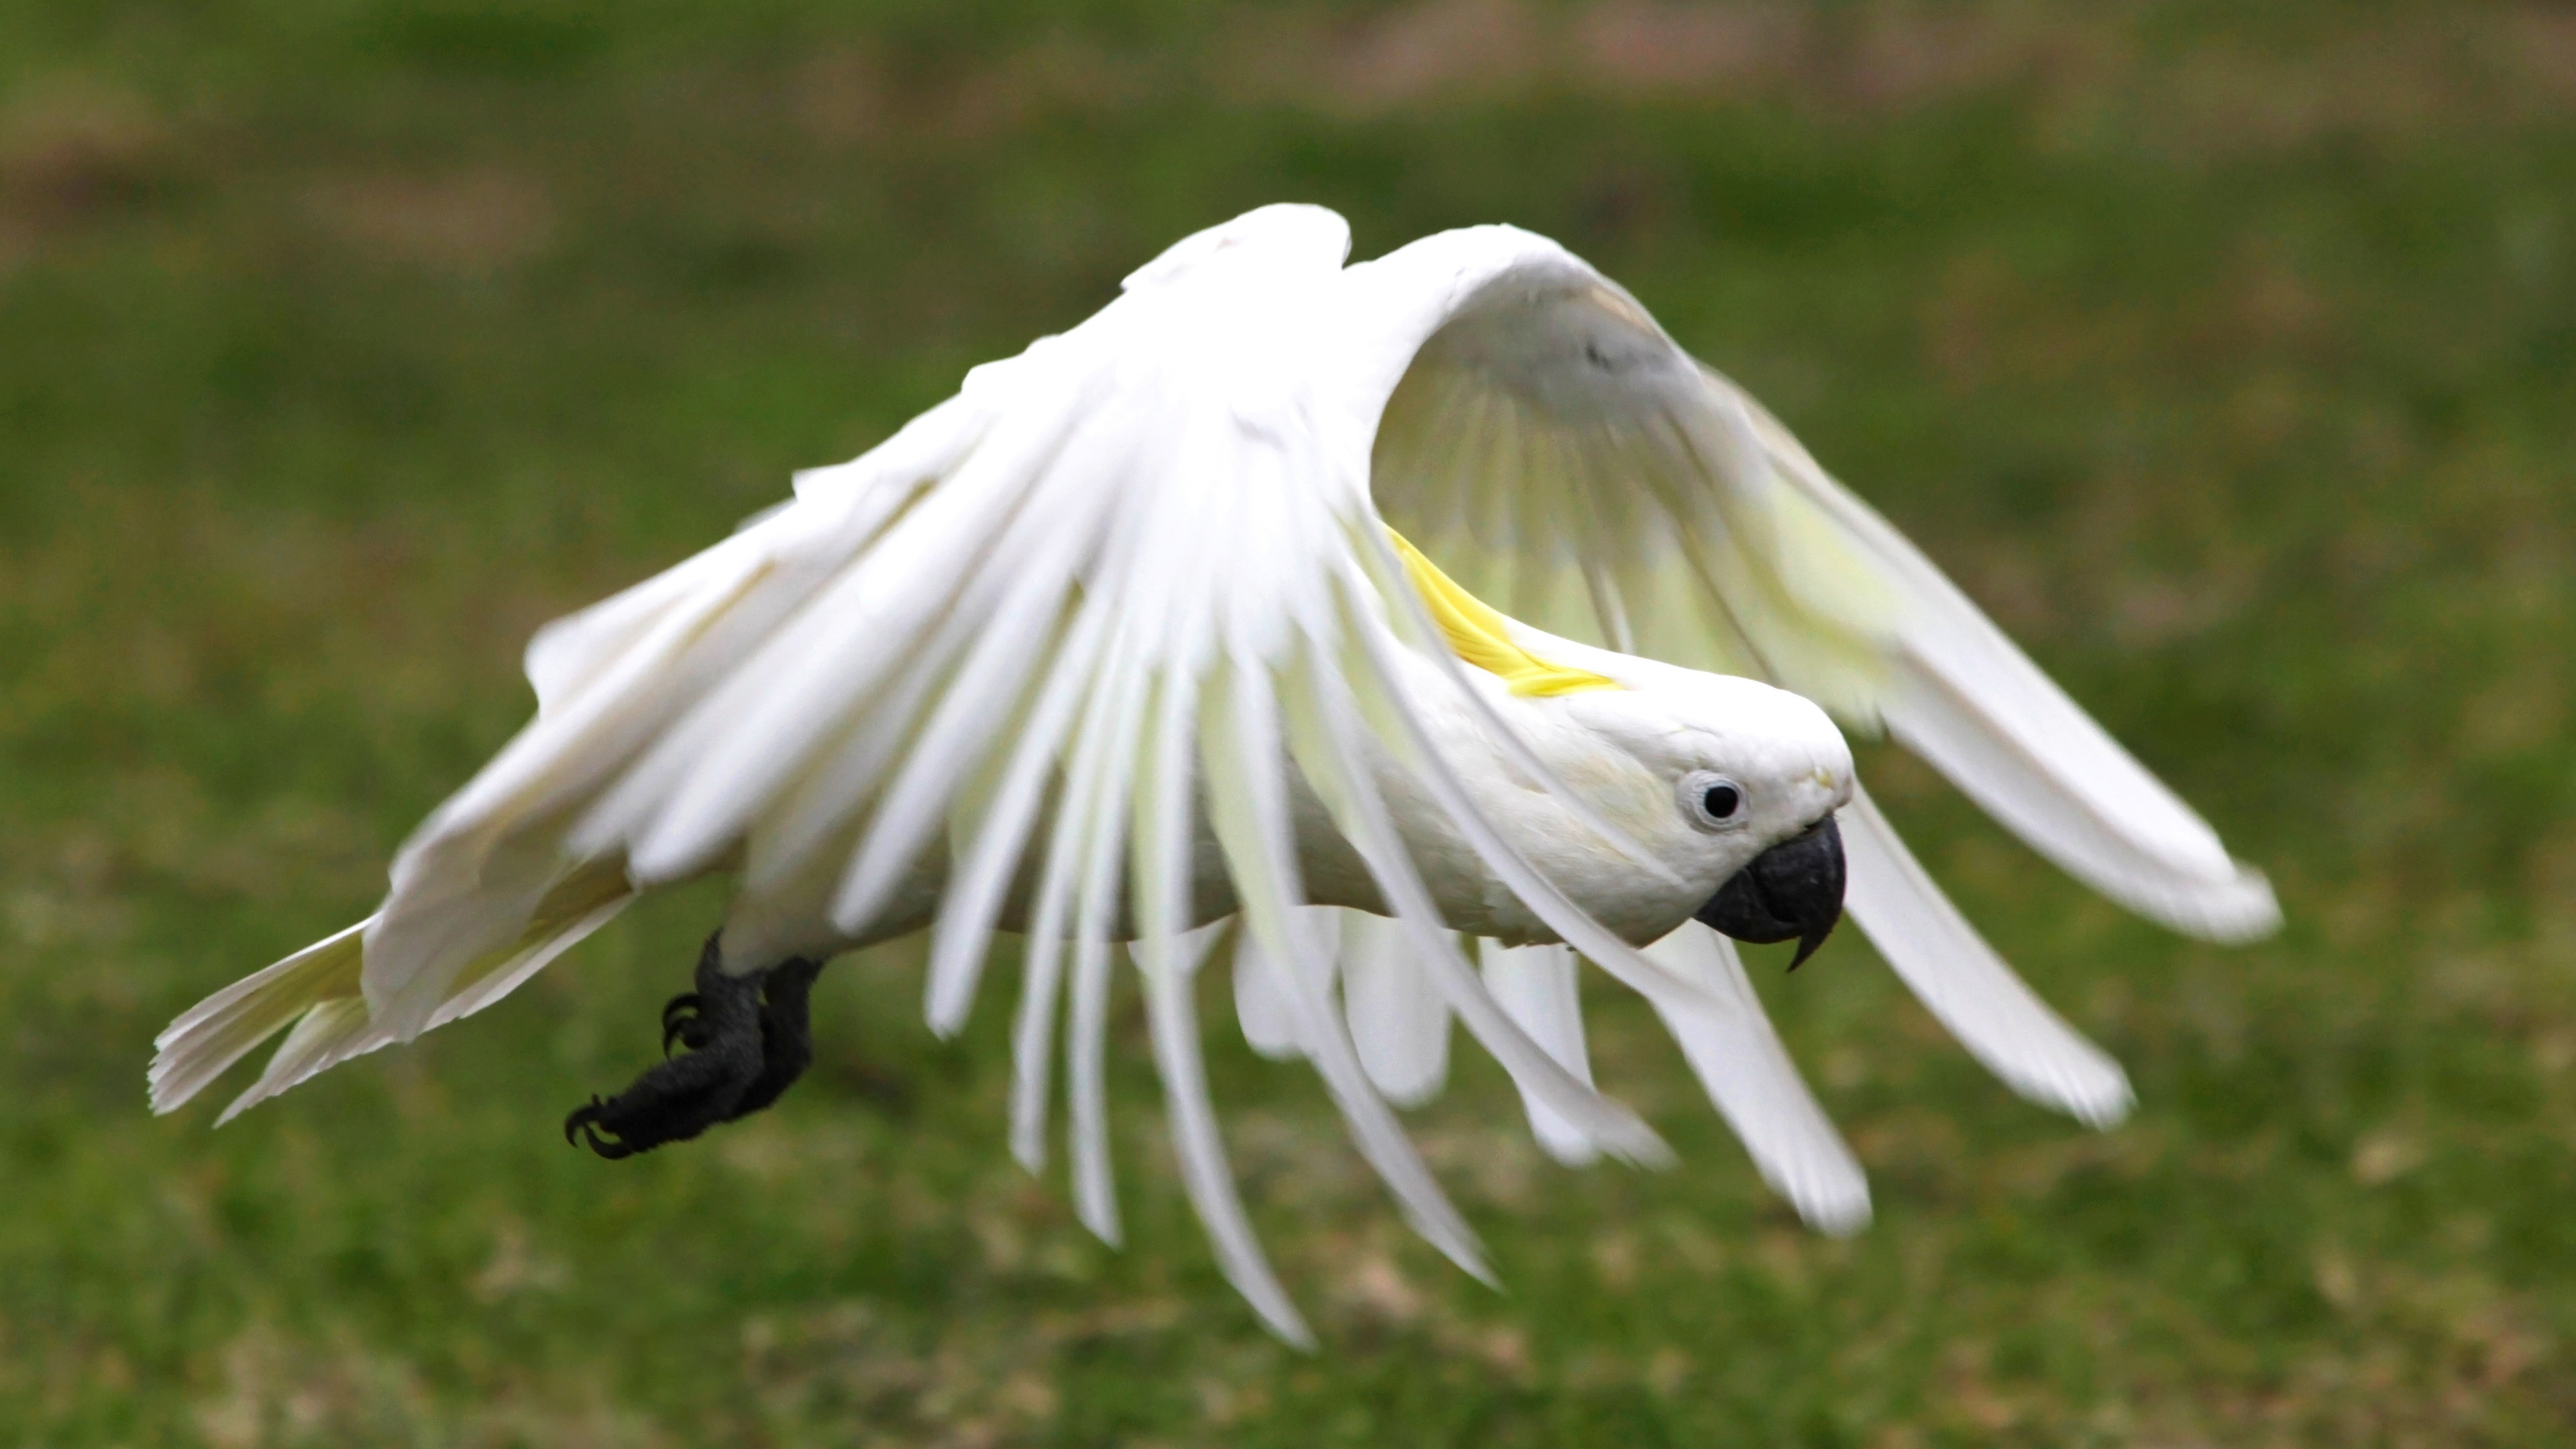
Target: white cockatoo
{"x":1117,"y":645}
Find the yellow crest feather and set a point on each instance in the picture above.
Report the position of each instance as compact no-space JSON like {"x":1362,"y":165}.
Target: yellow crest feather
{"x":1477,"y":634}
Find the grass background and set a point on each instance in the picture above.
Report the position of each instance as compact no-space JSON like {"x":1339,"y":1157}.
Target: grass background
{"x":2228,"y":358}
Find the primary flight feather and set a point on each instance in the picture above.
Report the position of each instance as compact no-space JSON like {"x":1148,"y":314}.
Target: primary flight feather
{"x":1117,"y":646}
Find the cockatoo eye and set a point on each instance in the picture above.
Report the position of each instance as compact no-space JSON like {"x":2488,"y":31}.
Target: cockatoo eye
{"x":1713,"y":802}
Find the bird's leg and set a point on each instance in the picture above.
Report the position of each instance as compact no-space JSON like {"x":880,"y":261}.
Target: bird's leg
{"x":742,"y":1052}
{"x":786,"y":1033}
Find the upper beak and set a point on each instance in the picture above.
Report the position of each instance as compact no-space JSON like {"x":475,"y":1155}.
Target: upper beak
{"x":1793,"y":889}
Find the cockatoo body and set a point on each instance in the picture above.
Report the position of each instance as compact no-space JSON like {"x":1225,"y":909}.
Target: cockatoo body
{"x":1117,"y":645}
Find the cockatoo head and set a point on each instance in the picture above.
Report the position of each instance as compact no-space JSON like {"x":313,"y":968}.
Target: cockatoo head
{"x":1730,"y":783}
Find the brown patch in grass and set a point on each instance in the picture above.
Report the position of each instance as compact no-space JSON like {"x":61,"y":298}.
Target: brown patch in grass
{"x":2540,"y":44}
{"x":518,"y":1265}
{"x":2088,"y":79}
{"x":1439,"y":47}
{"x":840,"y":97}
{"x":276,"y":1389}
{"x":1901,"y":57}
{"x":467,"y":222}
{"x":71,"y":148}
{"x":73,"y":152}
{"x":1375,"y":1288}
{"x":1666,"y":47}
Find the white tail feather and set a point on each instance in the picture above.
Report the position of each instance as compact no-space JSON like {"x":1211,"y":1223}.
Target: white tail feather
{"x":318,"y":991}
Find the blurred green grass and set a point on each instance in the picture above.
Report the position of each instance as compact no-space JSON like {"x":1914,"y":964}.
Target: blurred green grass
{"x":2229,"y":359}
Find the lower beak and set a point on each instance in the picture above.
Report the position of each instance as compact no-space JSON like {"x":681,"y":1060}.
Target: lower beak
{"x":1794,"y":889}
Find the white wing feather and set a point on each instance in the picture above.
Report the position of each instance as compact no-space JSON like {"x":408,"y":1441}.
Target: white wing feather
{"x":1963,"y":697}
{"x":1399,"y":1020}
{"x":1537,"y":986}
{"x":1748,"y":1074}
{"x":1952,"y":970}
{"x":1260,"y":1007}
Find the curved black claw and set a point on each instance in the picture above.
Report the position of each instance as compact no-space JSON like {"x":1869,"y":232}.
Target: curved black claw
{"x":683,"y":1020}
{"x":585,"y":1120}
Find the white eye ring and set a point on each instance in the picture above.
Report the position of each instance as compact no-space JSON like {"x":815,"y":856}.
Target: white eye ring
{"x":1705,"y":792}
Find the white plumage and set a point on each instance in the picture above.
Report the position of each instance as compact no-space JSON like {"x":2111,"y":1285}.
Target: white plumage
{"x":1114,"y":646}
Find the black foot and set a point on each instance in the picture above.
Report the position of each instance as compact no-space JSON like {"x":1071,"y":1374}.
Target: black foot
{"x":743,"y":1051}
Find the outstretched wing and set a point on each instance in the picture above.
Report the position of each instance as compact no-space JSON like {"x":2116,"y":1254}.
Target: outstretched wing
{"x":1565,"y":457}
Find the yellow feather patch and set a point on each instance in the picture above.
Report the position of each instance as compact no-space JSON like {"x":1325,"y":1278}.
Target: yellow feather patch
{"x":1477,"y":634}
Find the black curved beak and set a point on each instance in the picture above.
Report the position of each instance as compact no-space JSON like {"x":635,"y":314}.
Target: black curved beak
{"x":1793,"y":889}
